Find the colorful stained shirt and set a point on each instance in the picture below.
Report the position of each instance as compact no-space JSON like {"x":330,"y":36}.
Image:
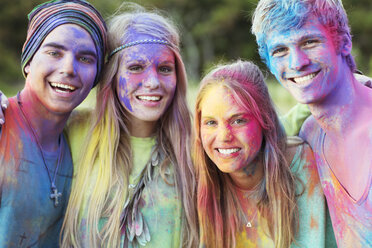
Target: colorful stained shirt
{"x":351,"y":219}
{"x":314,"y":222}
{"x":161,"y":207}
{"x":28,"y":217}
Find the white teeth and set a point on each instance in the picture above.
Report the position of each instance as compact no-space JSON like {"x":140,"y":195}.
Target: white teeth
{"x":63,"y":86}
{"x":228,"y":151}
{"x":305,"y":78}
{"x":149,"y":98}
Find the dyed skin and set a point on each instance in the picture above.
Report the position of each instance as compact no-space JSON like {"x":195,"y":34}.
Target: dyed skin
{"x":59,"y":77}
{"x":231,"y":136}
{"x":315,"y":71}
{"x":308,"y":64}
{"x":146,"y":84}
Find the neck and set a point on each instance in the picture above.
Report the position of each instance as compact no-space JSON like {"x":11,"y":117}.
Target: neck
{"x":46,"y":125}
{"x":142,"y":129}
{"x":340,"y":110}
{"x":249,"y":177}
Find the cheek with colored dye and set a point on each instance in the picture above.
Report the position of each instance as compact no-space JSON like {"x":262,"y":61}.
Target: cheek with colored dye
{"x":231,"y":135}
{"x":123,"y":94}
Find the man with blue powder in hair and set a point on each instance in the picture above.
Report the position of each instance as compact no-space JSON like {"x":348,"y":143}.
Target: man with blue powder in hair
{"x":307,"y":45}
{"x":61,"y":60}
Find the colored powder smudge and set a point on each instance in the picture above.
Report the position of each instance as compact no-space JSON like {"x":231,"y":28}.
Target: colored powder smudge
{"x":123,"y":94}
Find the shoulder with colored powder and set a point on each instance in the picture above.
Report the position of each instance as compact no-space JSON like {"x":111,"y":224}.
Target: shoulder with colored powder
{"x":311,"y":203}
{"x":310,"y":131}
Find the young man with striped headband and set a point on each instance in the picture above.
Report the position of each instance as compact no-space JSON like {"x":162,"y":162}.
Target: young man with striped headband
{"x":61,"y":60}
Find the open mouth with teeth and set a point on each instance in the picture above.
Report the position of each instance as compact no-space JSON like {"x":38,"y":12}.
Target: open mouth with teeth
{"x":228,"y":151}
{"x":149,"y":98}
{"x":62,"y":87}
{"x":304,"y":79}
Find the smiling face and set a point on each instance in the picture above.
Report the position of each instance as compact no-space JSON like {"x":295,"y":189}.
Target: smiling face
{"x":306,"y":61}
{"x":146,"y":82}
{"x":231,"y":136}
{"x":62,"y":71}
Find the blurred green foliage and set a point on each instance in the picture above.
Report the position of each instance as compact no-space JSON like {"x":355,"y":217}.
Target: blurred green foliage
{"x":212,"y":31}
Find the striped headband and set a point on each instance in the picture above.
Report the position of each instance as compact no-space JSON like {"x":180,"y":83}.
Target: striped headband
{"x":49,"y":15}
{"x":133,"y":43}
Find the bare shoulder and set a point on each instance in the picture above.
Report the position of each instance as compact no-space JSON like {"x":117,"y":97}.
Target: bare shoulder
{"x":309,"y":130}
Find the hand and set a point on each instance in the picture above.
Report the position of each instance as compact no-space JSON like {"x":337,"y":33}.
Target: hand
{"x":367,"y":81}
{"x":4,"y":105}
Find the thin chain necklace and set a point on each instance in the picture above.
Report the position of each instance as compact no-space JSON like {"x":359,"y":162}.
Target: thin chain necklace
{"x":248,"y":194}
{"x":55,"y":194}
{"x":249,"y":222}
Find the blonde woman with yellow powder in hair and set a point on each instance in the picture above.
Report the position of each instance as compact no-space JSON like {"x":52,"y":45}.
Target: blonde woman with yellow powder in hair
{"x":134,"y":183}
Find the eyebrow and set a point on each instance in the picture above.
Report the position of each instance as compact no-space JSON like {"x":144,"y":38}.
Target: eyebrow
{"x":55,"y":45}
{"x":243,"y":114}
{"x":61,"y":47}
{"x":231,"y":117}
{"x":312,"y":36}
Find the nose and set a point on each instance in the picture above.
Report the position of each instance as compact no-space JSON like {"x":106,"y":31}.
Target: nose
{"x":225,"y":133}
{"x":68,"y":66}
{"x":152,"y":80}
{"x":298,"y":59}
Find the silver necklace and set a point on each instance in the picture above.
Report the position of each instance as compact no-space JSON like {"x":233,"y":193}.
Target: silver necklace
{"x":249,"y":222}
{"x":55,"y":194}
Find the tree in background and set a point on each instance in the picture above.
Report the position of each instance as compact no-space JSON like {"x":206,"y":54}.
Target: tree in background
{"x":212,"y":31}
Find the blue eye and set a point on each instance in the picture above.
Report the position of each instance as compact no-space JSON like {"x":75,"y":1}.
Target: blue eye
{"x":53,"y":53}
{"x":279,"y":52}
{"x":310,"y":43}
{"x":210,"y":122}
{"x":240,"y":121}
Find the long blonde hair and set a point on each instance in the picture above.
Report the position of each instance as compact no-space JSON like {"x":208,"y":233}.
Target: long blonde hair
{"x":216,"y":197}
{"x":108,"y":146}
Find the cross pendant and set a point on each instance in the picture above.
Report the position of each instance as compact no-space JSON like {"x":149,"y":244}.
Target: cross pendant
{"x":55,"y":196}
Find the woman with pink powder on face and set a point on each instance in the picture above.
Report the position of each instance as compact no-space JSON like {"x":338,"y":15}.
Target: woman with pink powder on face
{"x":256,"y":188}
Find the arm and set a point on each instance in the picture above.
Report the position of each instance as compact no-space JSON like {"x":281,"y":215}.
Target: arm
{"x":4,"y":105}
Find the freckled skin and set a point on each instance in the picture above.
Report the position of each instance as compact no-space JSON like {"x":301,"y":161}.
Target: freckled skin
{"x":225,"y":124}
{"x":300,"y":52}
{"x":146,"y":70}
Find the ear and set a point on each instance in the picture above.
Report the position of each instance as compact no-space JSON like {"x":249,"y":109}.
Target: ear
{"x":27,"y":69}
{"x":346,"y":45}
